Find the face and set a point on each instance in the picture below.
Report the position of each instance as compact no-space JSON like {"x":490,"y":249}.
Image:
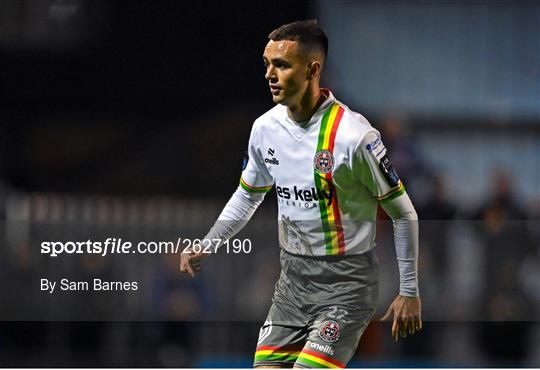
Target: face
{"x":287,"y":71}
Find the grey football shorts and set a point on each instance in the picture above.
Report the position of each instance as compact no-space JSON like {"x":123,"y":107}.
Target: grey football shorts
{"x":320,"y":308}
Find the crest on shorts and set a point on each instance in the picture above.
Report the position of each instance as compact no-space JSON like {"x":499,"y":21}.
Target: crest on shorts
{"x":323,"y":161}
{"x":329,"y":331}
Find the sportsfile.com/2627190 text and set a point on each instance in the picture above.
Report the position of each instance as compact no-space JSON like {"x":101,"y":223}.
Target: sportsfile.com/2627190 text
{"x":120,"y":246}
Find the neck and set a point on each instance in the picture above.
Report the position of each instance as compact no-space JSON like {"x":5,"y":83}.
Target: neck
{"x":306,"y":106}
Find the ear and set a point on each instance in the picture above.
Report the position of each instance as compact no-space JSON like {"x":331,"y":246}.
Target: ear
{"x":314,"y":70}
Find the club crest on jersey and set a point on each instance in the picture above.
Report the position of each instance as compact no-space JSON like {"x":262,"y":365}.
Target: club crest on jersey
{"x":329,"y":331}
{"x":323,"y":162}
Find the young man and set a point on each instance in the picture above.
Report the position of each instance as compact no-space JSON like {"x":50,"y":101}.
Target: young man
{"x":330,"y":169}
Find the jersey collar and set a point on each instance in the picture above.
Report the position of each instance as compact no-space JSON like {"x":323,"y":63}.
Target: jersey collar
{"x":318,"y":113}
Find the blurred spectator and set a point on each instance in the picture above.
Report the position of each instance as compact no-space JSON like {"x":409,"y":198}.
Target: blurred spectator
{"x":404,"y":154}
{"x":504,"y":303}
{"x":435,"y":215}
{"x":503,"y":230}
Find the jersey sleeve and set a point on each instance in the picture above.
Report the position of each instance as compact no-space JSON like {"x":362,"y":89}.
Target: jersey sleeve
{"x":255,"y":176}
{"x":375,"y":168}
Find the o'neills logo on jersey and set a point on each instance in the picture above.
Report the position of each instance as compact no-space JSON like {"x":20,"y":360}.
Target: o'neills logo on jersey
{"x":305,"y":195}
{"x":274,"y":161}
{"x":323,"y":161}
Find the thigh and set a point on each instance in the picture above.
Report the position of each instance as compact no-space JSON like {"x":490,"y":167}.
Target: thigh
{"x":341,"y":312}
{"x":281,"y":338}
{"x":285,"y":331}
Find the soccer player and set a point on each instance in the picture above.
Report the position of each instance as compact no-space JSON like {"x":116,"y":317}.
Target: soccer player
{"x":330,"y":169}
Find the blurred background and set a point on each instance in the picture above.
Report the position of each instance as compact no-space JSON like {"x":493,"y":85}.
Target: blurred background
{"x":131,"y":119}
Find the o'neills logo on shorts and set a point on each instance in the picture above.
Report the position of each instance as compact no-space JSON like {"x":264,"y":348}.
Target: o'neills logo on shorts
{"x":323,"y":161}
{"x":321,"y":348}
{"x":329,"y":331}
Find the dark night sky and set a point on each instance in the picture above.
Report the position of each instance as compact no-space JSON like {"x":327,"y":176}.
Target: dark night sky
{"x":149,"y":55}
{"x":125,"y":103}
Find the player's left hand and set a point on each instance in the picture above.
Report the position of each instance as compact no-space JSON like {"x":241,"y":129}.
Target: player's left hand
{"x":407,"y":316}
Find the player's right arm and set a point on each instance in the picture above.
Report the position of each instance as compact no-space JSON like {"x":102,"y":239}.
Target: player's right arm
{"x":232,"y":219}
{"x":255,"y":182}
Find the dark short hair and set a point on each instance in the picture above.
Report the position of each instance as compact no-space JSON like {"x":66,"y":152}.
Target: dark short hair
{"x":308,"y":33}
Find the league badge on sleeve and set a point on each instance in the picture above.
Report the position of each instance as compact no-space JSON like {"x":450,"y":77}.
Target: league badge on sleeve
{"x":323,"y":162}
{"x":388,"y":171}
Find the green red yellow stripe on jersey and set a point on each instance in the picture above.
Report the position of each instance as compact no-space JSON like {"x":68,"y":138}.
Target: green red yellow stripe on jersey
{"x":254,"y":189}
{"x":314,"y":359}
{"x":392,"y":194}
{"x":330,"y":216}
{"x":277,"y":354}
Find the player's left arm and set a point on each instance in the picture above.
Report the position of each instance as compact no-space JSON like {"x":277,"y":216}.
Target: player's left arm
{"x":407,"y":307}
{"x":377,"y":174}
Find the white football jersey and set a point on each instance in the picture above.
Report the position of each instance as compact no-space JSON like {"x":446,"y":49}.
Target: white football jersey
{"x":329,"y":175}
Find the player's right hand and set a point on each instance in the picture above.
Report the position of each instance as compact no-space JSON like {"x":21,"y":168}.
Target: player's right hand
{"x":190,"y":262}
